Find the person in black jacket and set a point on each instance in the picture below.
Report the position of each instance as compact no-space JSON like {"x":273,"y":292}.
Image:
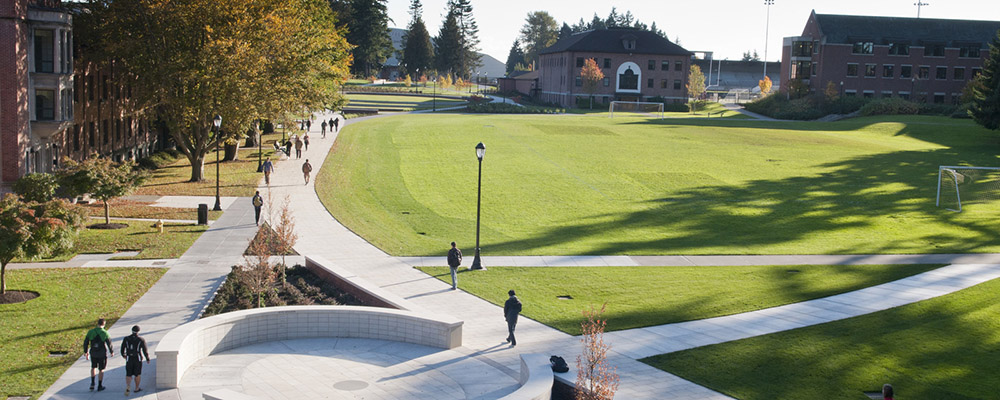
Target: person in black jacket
{"x":510,"y":311}
{"x":134,"y":349}
{"x":454,"y":261}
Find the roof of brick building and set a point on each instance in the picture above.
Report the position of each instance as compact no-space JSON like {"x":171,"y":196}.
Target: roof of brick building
{"x":611,"y":41}
{"x":851,"y":28}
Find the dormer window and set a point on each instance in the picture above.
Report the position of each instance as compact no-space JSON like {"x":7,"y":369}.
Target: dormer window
{"x":628,"y":41}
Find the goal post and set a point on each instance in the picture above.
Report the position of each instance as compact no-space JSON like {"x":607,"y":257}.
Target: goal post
{"x":636,"y":107}
{"x":958,"y":184}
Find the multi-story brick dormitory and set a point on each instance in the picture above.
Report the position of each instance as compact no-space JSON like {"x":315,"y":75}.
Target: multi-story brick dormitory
{"x":637,"y":65}
{"x":922,"y":59}
{"x":52,"y":105}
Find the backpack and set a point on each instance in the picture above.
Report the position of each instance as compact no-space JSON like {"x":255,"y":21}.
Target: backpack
{"x":454,"y":258}
{"x":132,"y":343}
{"x":558,"y":364}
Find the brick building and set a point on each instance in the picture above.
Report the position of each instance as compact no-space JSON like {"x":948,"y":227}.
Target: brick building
{"x":637,"y":65}
{"x":53,"y":105}
{"x":913,"y":58}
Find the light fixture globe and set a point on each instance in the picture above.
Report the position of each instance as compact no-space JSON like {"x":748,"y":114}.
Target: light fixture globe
{"x":480,"y":151}
{"x":217,"y":121}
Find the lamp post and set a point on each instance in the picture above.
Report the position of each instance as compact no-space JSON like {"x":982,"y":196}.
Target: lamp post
{"x":260,"y":151}
{"x":841,"y":88}
{"x":477,"y":262}
{"x":218,"y":124}
{"x":767,"y":27}
{"x":434,"y":104}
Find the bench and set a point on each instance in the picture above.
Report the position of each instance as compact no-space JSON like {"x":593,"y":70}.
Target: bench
{"x":536,"y":379}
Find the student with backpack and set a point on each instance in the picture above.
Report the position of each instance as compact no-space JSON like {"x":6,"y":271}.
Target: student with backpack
{"x":454,"y":261}
{"x":96,"y":348}
{"x":134,"y":349}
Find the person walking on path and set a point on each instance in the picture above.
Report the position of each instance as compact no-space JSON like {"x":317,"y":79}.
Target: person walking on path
{"x":298,"y":147}
{"x":335,"y":122}
{"x":288,"y":146}
{"x":305,"y":139}
{"x":308,"y":125}
{"x":268,"y":169}
{"x":302,"y":124}
{"x":133,"y":349}
{"x":258,"y":201}
{"x":96,"y":348}
{"x":454,"y":261}
{"x":307,"y":168}
{"x":323,"y":130}
{"x":511,"y":309}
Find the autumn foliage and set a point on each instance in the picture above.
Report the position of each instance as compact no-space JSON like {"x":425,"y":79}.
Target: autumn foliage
{"x":595,"y":379}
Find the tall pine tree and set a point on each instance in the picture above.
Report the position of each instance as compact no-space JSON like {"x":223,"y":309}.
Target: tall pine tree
{"x":540,"y":30}
{"x":448,"y":46}
{"x":986,"y":104}
{"x":418,"y":52}
{"x":470,"y":38}
{"x":515,"y":57}
{"x":368,"y":30}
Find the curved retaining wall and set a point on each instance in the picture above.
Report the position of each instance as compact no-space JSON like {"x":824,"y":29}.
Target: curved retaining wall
{"x":188,"y":343}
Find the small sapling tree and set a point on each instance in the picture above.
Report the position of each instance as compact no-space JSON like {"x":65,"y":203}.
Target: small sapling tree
{"x":592,"y":76}
{"x":595,"y":379}
{"x":765,"y":86}
{"x":257,"y":274}
{"x":104,"y":179}
{"x":695,"y":86}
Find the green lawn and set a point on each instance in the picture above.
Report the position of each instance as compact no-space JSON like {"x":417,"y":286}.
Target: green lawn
{"x":943,"y":348}
{"x":398,"y":102}
{"x":138,"y":236}
{"x":71,"y":301}
{"x":236,"y":178}
{"x":647,"y":296}
{"x":586,"y":184}
{"x":122,"y":208}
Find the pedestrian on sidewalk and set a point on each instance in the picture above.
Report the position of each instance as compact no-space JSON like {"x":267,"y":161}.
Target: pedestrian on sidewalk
{"x":307,"y":168}
{"x":305,"y":139}
{"x":308,"y":125}
{"x":268,"y":169}
{"x":288,"y":146}
{"x":323,"y":131}
{"x":336,"y":125}
{"x":454,"y":261}
{"x":302,"y":125}
{"x":258,"y":201}
{"x":96,"y":347}
{"x":511,"y":309}
{"x":133,"y":349}
{"x":298,"y":147}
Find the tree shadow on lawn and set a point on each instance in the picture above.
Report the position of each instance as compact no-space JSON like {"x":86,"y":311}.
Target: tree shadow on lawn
{"x":928,"y":350}
{"x":770,"y":212}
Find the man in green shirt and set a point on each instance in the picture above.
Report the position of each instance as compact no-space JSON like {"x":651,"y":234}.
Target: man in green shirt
{"x":96,"y":348}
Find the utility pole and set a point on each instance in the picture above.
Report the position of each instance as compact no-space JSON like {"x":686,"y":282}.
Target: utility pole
{"x":767,"y":27}
{"x":920,"y":4}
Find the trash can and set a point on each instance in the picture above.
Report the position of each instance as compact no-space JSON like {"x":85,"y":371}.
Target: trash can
{"x":203,"y":214}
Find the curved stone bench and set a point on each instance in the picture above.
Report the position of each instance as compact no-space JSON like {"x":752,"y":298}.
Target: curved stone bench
{"x":188,"y":343}
{"x":536,"y":379}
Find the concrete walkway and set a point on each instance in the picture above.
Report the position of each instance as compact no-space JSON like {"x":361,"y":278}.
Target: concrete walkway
{"x":739,"y":108}
{"x":698,"y":261}
{"x":177,"y":298}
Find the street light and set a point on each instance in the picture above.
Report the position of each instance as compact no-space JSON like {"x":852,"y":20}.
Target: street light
{"x":477,"y":263}
{"x":767,"y":27}
{"x":218,"y":123}
{"x":434,"y":104}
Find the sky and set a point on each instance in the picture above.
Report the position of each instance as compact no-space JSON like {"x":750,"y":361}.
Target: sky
{"x":726,"y":27}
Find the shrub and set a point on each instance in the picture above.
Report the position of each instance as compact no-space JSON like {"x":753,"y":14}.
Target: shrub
{"x":937,"y":109}
{"x":669,"y":105}
{"x":503,"y":108}
{"x":891,"y":106}
{"x":159,"y":159}
{"x":37,"y":187}
{"x":806,"y":108}
{"x":584,"y":102}
{"x":962,"y":111}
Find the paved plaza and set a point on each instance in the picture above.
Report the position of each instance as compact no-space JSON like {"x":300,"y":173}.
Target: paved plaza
{"x":484,"y":367}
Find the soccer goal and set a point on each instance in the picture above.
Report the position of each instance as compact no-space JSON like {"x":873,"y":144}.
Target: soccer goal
{"x":958,"y":185}
{"x":653,"y":109}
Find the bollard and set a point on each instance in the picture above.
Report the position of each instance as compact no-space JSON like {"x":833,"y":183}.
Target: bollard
{"x":203,"y":214}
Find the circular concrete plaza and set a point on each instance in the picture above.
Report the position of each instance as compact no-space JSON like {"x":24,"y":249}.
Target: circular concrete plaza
{"x":338,"y":368}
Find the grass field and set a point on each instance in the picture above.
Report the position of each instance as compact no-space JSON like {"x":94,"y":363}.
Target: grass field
{"x":647,"y":296}
{"x":123,"y":208}
{"x":398,"y":102}
{"x":942,"y":348}
{"x":568,"y":184}
{"x":71,"y":301}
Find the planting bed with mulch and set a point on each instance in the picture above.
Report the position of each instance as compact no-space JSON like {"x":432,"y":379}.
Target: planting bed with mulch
{"x":301,"y":287}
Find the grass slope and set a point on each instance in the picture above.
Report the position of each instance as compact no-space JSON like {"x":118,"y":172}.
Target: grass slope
{"x":943,"y":348}
{"x":647,"y":296}
{"x":71,"y":301}
{"x":592,"y":185}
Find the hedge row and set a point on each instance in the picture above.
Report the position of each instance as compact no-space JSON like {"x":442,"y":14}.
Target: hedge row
{"x":503,"y":108}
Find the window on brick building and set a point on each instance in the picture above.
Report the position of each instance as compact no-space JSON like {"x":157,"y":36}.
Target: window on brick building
{"x":76,"y":137}
{"x":578,"y":81}
{"x":664,"y":65}
{"x":924,"y":72}
{"x":975,"y":73}
{"x":90,"y":88}
{"x":104,"y":87}
{"x":579,"y":62}
{"x":899,"y":49}
{"x":959,"y":73}
{"x":869,"y":70}
{"x":934,"y":50}
{"x":938,"y":98}
{"x":45,"y":105}
{"x":128,"y":128}
{"x":677,"y":84}
{"x":888,"y":70}
{"x":969,"y":50}
{"x":106,"y":131}
{"x":664,"y":83}
{"x":649,"y":82}
{"x":91,"y":134}
{"x":607,"y":81}
{"x":905,"y":71}
{"x":678,"y":66}
{"x":44,"y":50}
{"x":852,"y":69}
{"x":118,"y":131}
{"x":941,"y":73}
{"x":862,"y":47}
{"x":651,"y":65}
{"x":607,"y":63}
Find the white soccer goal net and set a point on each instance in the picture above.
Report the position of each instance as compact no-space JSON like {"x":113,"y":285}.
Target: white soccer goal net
{"x":967,"y":185}
{"x":652,"y":109}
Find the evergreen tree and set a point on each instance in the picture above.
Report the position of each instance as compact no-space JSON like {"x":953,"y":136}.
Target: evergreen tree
{"x":565,"y":31}
{"x":368,"y":31}
{"x":447,"y":45}
{"x":470,"y":38}
{"x":658,"y":31}
{"x":418,"y":52}
{"x":986,"y":105}
{"x":515,"y":57}
{"x":540,"y":30}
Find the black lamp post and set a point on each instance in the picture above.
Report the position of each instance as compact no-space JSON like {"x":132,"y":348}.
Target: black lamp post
{"x":260,"y":150}
{"x":477,"y":263}
{"x":434,"y":104}
{"x":218,"y":123}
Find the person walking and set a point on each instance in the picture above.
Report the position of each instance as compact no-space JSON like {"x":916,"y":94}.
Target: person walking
{"x":454,"y":261}
{"x":308,"y":125}
{"x":288,"y":147}
{"x":323,"y":130}
{"x":511,"y":308}
{"x":268,"y":169}
{"x":302,"y":125}
{"x":305,"y":139}
{"x":298,"y":147}
{"x":307,"y":168}
{"x":96,"y":348}
{"x":133,"y":349}
{"x":336,"y":125}
{"x":258,"y":201}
